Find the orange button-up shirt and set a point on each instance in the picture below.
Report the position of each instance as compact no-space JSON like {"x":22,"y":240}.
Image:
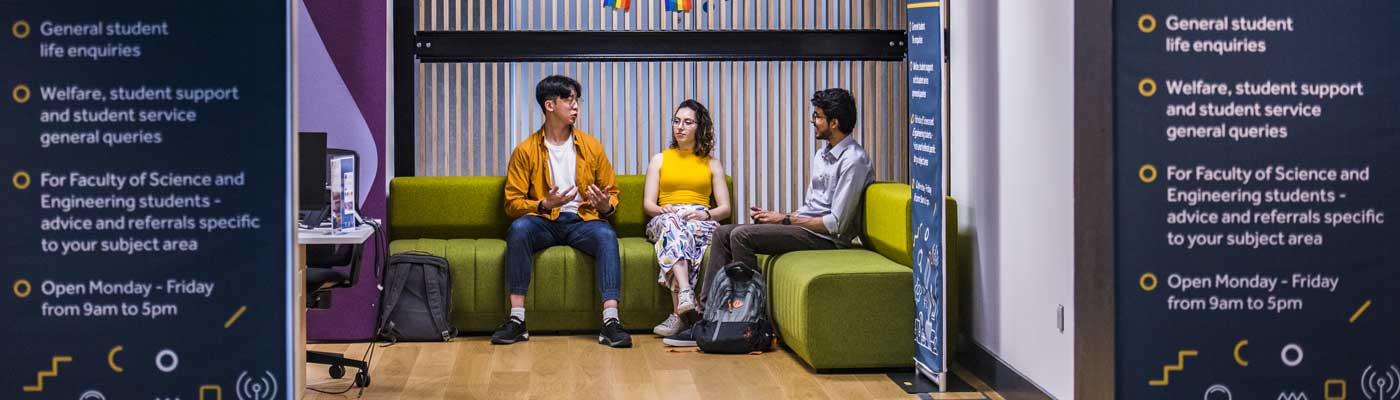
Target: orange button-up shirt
{"x":528,"y":177}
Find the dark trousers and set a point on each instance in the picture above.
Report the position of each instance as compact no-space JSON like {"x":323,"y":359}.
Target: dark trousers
{"x":743,"y":243}
{"x":530,"y":234}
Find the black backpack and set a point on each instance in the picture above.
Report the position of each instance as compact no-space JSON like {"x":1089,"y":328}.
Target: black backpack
{"x":735,"y":320}
{"x":417,"y":299}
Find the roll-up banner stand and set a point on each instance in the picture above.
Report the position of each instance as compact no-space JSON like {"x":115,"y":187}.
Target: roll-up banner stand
{"x":928,"y":175}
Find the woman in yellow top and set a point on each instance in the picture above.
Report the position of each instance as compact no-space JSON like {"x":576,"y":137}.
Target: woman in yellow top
{"x":681,"y":182}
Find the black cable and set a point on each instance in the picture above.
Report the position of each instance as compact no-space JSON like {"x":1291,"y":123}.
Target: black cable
{"x":378,"y":240}
{"x":380,"y":245}
{"x":369,"y":355}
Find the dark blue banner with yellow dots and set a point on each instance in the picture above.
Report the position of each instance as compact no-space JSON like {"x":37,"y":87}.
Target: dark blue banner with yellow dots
{"x":1257,"y":177}
{"x":147,"y":202}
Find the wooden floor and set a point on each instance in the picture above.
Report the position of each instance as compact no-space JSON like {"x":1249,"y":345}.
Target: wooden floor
{"x":577,"y":367}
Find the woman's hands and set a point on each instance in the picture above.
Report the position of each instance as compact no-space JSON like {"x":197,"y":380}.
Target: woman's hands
{"x":686,"y":214}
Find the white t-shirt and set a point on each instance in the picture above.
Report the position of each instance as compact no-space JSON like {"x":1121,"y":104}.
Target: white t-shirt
{"x":563,"y":164}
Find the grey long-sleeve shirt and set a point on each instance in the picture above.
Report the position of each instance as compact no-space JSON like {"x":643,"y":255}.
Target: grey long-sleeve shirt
{"x":839,"y":177}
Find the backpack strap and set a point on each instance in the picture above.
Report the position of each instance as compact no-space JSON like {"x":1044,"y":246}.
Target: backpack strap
{"x":447,"y":273}
{"x":433,"y":293}
{"x":389,"y":332}
{"x":393,"y":289}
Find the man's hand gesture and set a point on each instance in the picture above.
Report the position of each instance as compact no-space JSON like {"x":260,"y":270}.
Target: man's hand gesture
{"x":601,"y":198}
{"x":557,"y":198}
{"x":761,"y":216}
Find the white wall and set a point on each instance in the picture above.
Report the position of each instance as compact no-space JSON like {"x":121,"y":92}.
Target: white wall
{"x":1012,"y":172}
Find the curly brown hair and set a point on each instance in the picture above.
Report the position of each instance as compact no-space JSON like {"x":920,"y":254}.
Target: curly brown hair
{"x":704,"y":128}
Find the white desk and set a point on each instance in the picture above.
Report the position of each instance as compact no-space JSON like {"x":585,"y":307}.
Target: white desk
{"x":324,"y":235}
{"x":315,"y":236}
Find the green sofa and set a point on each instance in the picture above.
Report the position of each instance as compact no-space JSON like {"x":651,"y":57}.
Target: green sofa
{"x":463,"y":219}
{"x":854,"y":308}
{"x":848,"y":308}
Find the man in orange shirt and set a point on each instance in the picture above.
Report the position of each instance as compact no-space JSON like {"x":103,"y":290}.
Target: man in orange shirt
{"x":559,"y":186}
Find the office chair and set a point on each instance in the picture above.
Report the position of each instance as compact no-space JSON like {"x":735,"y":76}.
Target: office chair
{"x":322,"y":277}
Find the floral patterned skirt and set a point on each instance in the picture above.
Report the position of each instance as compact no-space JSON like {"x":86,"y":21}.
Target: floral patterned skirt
{"x":677,"y":240}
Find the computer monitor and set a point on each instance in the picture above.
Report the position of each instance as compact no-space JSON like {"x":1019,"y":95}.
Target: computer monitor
{"x":312,"y":160}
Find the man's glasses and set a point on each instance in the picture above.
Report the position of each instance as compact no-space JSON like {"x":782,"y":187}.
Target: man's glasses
{"x":573,"y":101}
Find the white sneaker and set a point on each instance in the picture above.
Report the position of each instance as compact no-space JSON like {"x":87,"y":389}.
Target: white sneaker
{"x":670,"y":326}
{"x":685,"y":301}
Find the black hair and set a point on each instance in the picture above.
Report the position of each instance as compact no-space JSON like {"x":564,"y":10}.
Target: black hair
{"x":557,"y":86}
{"x":837,"y":104}
{"x":704,"y":128}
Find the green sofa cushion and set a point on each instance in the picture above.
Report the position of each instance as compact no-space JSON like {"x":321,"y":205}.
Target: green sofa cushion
{"x":849,"y":308}
{"x":888,"y":222}
{"x":563,"y":287}
{"x":473,"y":207}
{"x":630,"y":219}
{"x":478,"y":283}
{"x":644,"y":302}
{"x":456,"y":207}
{"x":871,"y":287}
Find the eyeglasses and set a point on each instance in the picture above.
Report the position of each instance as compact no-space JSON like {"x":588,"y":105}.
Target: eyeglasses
{"x":573,"y":100}
{"x":678,"y":121}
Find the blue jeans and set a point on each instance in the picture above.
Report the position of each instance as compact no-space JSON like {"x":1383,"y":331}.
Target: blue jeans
{"x":530,"y":234}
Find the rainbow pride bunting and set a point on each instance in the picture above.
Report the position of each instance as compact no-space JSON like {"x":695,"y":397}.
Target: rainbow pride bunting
{"x":679,"y":5}
{"x":623,"y":5}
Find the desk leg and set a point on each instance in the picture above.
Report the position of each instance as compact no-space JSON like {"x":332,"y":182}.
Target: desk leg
{"x":299,"y":290}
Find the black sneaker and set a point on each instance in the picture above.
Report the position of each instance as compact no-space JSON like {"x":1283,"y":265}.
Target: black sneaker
{"x":510,"y":332}
{"x":613,"y":335}
{"x":684,"y":339}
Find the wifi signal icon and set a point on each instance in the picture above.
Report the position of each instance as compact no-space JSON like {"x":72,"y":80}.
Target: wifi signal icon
{"x":1381,"y":384}
{"x":262,"y":387}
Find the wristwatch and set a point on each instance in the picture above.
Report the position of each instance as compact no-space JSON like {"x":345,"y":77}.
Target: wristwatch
{"x":787,"y":220}
{"x":540,"y":209}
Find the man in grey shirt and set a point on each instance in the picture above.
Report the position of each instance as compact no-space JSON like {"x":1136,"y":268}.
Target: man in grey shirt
{"x":830,"y":216}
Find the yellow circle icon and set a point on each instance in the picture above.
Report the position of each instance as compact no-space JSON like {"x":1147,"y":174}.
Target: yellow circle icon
{"x":20,"y":29}
{"x":21,"y":94}
{"x":1148,"y":282}
{"x":22,"y":288}
{"x":1147,"y":173}
{"x":1147,"y":87}
{"x":1147,"y":24}
{"x":1240,"y":360}
{"x":21,"y":180}
{"x":112,"y":359}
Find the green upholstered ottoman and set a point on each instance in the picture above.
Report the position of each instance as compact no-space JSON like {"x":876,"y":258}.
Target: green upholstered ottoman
{"x":854,"y":308}
{"x":463,"y":219}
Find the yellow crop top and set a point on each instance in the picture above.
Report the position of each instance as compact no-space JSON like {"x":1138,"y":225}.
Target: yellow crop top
{"x":685,"y":178}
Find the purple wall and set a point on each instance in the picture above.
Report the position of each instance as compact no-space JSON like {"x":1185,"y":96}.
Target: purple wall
{"x":341,"y":78}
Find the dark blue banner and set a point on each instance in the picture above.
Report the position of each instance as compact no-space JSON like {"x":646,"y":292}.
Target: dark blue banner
{"x":147,"y":200}
{"x":1256,"y":156}
{"x":926,"y":65}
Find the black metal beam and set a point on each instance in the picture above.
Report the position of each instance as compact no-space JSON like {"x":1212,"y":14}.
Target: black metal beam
{"x":402,"y":136}
{"x":517,"y":46}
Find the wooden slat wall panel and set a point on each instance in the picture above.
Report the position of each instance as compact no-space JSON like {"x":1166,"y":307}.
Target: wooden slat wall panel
{"x":471,"y":115}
